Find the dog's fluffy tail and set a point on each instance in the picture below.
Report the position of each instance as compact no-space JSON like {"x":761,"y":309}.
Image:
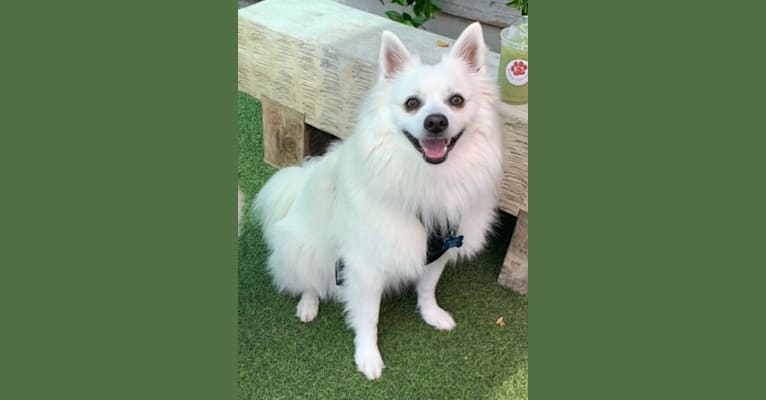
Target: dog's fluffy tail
{"x":278,"y":195}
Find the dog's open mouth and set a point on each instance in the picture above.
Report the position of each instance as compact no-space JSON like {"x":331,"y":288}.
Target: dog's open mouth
{"x":434,"y":150}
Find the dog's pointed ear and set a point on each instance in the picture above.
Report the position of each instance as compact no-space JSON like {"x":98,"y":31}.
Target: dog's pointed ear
{"x":470,"y":46}
{"x":393,"y":55}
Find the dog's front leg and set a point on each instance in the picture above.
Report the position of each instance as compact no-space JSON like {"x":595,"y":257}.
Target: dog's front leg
{"x":362,"y":297}
{"x":426,"y":288}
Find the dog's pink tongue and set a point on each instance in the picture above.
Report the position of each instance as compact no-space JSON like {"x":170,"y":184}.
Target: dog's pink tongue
{"x":434,"y":148}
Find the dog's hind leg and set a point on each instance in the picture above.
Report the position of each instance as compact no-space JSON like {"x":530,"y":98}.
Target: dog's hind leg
{"x":426,"y":288}
{"x":308,"y":306}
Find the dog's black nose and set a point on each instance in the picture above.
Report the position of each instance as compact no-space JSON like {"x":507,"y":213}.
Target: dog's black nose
{"x":436,"y":123}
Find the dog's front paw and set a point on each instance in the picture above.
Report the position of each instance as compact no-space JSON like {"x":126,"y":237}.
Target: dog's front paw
{"x":308,"y":308}
{"x":438,"y":318}
{"x":369,"y":362}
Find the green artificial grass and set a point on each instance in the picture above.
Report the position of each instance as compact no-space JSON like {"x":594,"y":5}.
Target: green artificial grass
{"x":282,"y":358}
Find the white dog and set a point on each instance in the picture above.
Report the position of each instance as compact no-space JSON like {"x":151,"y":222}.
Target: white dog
{"x":414,"y":187}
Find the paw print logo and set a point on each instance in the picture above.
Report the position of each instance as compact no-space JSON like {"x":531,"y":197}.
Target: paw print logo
{"x":517,"y":72}
{"x":518,"y":68}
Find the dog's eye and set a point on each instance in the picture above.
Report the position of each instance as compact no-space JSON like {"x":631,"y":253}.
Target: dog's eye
{"x":412,"y":103}
{"x":456,"y":100}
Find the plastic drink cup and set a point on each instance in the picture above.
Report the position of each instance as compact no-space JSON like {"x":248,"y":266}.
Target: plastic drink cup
{"x":513,"y":74}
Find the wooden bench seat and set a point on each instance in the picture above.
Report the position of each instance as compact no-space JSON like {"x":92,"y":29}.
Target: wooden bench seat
{"x":312,"y":62}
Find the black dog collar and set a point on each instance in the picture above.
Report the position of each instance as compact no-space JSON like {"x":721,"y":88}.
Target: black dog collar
{"x":438,"y":243}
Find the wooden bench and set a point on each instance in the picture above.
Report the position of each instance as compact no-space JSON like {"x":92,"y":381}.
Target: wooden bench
{"x":311,"y":63}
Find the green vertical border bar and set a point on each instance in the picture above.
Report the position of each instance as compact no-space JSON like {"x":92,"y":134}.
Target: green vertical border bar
{"x":646,"y":193}
{"x":118,"y":146}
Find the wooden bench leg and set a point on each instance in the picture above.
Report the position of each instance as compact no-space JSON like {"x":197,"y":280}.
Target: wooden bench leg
{"x":285,"y":135}
{"x":515,"y":272}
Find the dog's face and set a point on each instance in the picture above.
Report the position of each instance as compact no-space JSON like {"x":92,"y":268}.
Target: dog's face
{"x":432,"y":105}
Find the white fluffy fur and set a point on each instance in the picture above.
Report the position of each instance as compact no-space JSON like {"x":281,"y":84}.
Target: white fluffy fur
{"x":361,"y":201}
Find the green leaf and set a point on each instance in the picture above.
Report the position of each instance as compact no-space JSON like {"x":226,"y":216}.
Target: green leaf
{"x":408,"y":22}
{"x":521,"y":5}
{"x":400,"y":2}
{"x":407,"y":17}
{"x":419,"y":20}
{"x":419,"y":5}
{"x":409,"y":2}
{"x":394,"y":15}
{"x":431,"y":7}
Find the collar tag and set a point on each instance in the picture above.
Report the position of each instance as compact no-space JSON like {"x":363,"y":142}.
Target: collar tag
{"x":452,"y":241}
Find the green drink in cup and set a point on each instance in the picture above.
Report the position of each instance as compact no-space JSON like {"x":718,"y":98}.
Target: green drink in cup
{"x":513,"y":74}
